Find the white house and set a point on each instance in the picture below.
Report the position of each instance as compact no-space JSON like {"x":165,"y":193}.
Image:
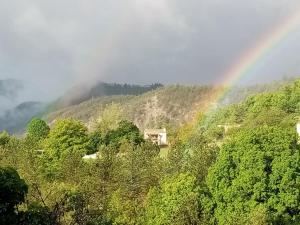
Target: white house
{"x":298,"y":128}
{"x":93,"y":156}
{"x":157,"y":136}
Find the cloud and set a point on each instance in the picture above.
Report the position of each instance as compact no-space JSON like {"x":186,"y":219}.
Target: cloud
{"x":16,"y":119}
{"x":10,"y":88}
{"x":54,"y":45}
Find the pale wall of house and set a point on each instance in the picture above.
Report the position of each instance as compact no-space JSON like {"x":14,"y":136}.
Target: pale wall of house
{"x":163,"y":140}
{"x":298,"y":128}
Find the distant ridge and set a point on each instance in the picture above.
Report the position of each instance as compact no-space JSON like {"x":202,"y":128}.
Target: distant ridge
{"x":81,"y":93}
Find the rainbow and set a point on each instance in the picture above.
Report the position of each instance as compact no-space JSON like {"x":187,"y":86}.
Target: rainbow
{"x":249,"y":61}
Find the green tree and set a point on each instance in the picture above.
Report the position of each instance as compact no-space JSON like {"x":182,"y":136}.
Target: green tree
{"x":201,"y":154}
{"x":68,"y":138}
{"x":37,"y":129}
{"x":109,"y":118}
{"x":12,"y":193}
{"x":271,"y":117}
{"x":100,"y":180}
{"x":126,"y":131}
{"x":140,"y":169}
{"x":96,"y":139}
{"x":176,"y":202}
{"x":37,"y":215}
{"x":4,"y":138}
{"x":257,"y":168}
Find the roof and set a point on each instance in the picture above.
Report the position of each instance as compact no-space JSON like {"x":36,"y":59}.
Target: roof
{"x":155,"y":131}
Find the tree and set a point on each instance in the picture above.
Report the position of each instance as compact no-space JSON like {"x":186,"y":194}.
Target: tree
{"x":271,"y":117}
{"x":257,"y":168}
{"x":109,"y":119}
{"x":67,"y":138}
{"x":37,"y":215}
{"x":126,"y":131}
{"x":176,"y":202}
{"x":37,"y":129}
{"x":139,"y":170}
{"x":96,"y":139}
{"x":12,"y":193}
{"x":201,"y":155}
{"x":101,"y":181}
{"x":4,"y":138}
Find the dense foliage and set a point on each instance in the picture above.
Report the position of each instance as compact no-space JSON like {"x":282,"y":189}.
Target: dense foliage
{"x":37,"y":129}
{"x":257,"y":169}
{"x":237,"y":165}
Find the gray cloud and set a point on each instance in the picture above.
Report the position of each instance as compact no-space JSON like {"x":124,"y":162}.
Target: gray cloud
{"x":53,"y":45}
{"x":10,"y":88}
{"x":9,"y":91}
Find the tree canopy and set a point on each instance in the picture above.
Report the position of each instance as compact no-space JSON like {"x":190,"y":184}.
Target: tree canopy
{"x":257,"y":169}
{"x":37,"y":129}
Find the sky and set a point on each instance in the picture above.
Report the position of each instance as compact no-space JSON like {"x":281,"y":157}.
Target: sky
{"x":50,"y":46}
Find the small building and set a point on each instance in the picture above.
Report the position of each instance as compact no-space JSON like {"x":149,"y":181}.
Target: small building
{"x":298,"y":128}
{"x":92,"y":156}
{"x":157,"y":136}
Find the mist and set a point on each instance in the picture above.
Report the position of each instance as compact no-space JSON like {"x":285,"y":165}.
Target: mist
{"x":52,"y":46}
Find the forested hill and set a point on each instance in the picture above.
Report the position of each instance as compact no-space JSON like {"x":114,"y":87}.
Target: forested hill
{"x":81,"y":93}
{"x":161,"y":106}
{"x":175,"y":104}
{"x":14,"y":120}
{"x":280,"y":107}
{"x":148,"y":106}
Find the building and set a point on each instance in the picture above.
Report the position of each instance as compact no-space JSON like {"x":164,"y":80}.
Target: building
{"x":93,"y":156}
{"x":157,"y":136}
{"x":298,"y":128}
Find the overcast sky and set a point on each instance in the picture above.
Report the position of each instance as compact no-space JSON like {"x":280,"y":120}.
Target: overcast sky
{"x":53,"y":44}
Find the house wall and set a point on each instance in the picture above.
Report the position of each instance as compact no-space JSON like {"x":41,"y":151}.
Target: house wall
{"x":298,"y":128}
{"x":163,"y":139}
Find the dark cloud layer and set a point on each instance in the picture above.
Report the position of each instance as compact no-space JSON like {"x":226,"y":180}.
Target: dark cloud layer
{"x":53,"y":45}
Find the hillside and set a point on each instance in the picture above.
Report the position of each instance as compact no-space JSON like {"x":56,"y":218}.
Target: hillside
{"x":148,"y":106}
{"x":152,"y":109}
{"x":174,"y":104}
{"x":82,"y":92}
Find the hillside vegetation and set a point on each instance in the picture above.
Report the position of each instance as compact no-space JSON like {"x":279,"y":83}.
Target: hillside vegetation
{"x":172,"y":104}
{"x":246,"y":174}
{"x":156,"y":106}
{"x":148,"y":105}
{"x":81,"y":93}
